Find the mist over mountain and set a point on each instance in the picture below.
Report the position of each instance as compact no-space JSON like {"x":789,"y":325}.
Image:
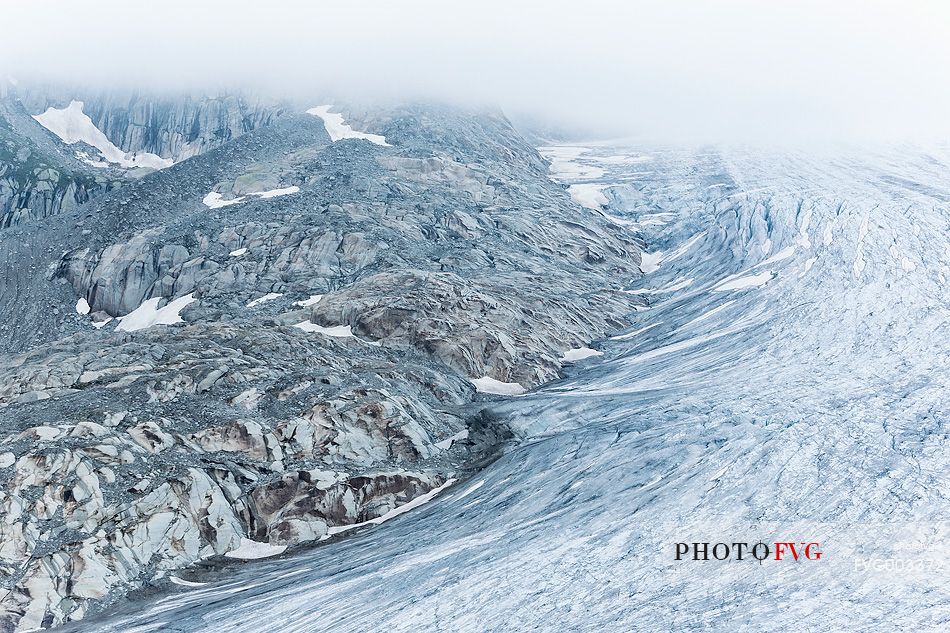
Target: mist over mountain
{"x":686,"y":72}
{"x":418,"y":316}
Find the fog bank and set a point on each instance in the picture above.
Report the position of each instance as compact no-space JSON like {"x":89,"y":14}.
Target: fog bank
{"x":684,"y":71}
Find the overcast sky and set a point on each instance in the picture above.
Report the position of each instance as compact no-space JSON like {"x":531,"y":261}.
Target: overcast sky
{"x":675,"y":70}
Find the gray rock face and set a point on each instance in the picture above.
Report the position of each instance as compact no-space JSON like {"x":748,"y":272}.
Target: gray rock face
{"x":262,"y":411}
{"x":182,"y":447}
{"x":478,"y":327}
{"x":176,"y":127}
{"x":38,"y":177}
{"x":123,"y":275}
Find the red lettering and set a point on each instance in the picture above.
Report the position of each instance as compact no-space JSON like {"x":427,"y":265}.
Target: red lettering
{"x":780,"y":546}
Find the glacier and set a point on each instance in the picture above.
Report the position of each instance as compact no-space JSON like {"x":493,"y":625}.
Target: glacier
{"x":794,"y":390}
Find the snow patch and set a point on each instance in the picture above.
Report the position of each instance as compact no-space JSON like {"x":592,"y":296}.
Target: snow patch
{"x":566,"y":170}
{"x":803,"y":239}
{"x":73,"y":126}
{"x":808,"y":264}
{"x":681,"y":250}
{"x":621,"y":159}
{"x":250,"y":550}
{"x":564,"y":165}
{"x":270,"y":296}
{"x":579,"y":353}
{"x":859,"y":264}
{"x":339,"y":130}
{"x":149,"y":314}
{"x":339,"y":331}
{"x":446,"y":444}
{"x":100,"y":324}
{"x":306,"y":303}
{"x":214,"y":200}
{"x":485,"y":384}
{"x":653,"y":219}
{"x":629,"y":335}
{"x":863,"y":229}
{"x":86,"y":158}
{"x":741,"y":283}
{"x":563,"y":152}
{"x":237,"y":253}
{"x":828,"y":236}
{"x":471,"y":489}
{"x":588,"y":196}
{"x":785,"y":253}
{"x":186,"y":583}
{"x":274,"y":193}
{"x":650,"y":262}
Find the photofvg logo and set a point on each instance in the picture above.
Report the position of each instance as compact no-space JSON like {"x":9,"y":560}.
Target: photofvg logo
{"x":779,"y":550}
{"x":900,"y":565}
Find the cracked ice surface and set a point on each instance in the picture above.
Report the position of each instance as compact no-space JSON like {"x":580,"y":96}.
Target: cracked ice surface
{"x":811,"y":407}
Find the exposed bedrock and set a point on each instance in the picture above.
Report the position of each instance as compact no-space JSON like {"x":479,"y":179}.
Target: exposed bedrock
{"x":319,"y":311}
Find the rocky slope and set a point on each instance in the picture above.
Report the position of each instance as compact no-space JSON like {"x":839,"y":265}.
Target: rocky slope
{"x":173,"y":127}
{"x":327,"y":303}
{"x":41,"y":176}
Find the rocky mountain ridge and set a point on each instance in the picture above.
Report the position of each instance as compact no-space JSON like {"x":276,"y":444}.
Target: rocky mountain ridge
{"x":330,"y":308}
{"x":40,"y":176}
